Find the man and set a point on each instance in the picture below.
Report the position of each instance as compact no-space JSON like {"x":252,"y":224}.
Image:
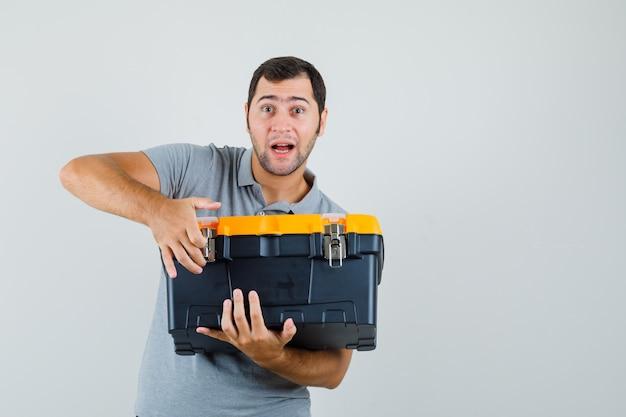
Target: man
{"x":162,"y":187}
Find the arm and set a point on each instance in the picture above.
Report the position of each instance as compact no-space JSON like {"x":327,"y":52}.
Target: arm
{"x":323,"y":368}
{"x":318,"y":368}
{"x":124,"y":184}
{"x":127,"y":184}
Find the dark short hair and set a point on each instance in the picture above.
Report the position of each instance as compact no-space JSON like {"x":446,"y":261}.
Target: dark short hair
{"x":285,"y":68}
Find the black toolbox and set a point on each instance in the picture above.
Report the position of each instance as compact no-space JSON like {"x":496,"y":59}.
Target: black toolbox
{"x":320,"y":270}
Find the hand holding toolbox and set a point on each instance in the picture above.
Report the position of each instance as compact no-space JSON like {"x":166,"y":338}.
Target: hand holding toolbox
{"x":320,"y":270}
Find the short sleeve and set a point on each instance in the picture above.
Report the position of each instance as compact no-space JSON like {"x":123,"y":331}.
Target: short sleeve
{"x":172,"y":163}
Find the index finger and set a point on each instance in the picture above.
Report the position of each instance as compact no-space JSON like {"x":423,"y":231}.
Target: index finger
{"x":256,"y":314}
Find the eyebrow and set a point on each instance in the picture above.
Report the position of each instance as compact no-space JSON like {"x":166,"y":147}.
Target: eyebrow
{"x":292,"y":98}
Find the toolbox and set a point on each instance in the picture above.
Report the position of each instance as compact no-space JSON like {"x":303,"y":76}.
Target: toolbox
{"x":321,"y":270}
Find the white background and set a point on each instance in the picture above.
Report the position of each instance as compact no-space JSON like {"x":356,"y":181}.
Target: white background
{"x":488,"y":138}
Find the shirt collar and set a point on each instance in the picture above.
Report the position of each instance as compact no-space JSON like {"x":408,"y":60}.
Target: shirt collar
{"x":244,"y":175}
{"x":309,"y":203}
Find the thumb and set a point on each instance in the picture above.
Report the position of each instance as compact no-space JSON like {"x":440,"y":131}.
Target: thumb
{"x":288,"y":332}
{"x":205,"y":203}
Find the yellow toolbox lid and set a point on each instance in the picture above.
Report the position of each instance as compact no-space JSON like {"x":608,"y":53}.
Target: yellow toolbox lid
{"x":290,"y":224}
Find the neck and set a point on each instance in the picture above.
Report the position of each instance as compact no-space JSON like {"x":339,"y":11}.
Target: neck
{"x":291,"y":188}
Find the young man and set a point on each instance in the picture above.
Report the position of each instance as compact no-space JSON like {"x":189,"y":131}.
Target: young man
{"x":162,"y":187}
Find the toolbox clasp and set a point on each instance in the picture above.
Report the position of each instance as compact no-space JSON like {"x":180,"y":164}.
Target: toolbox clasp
{"x":208,"y":228}
{"x":334,"y":242}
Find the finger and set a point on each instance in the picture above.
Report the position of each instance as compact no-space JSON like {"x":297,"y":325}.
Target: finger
{"x":288,"y":332}
{"x":195,"y":235}
{"x":239,"y":314}
{"x":216,"y":334}
{"x":168,"y":262}
{"x":256,"y":314}
{"x":194,"y":253}
{"x":227,"y":320}
{"x":205,"y":203}
{"x":183,"y":257}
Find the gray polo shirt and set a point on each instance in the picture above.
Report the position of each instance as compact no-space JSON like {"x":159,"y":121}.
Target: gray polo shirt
{"x":220,"y":385}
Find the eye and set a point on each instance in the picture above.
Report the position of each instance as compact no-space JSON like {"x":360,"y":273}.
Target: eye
{"x":267,"y":108}
{"x":298,"y":110}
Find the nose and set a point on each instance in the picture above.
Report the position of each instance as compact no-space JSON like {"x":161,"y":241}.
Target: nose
{"x":281,"y":123}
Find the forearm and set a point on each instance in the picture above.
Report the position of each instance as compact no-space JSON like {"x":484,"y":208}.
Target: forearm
{"x":102,"y":184}
{"x":320,"y":368}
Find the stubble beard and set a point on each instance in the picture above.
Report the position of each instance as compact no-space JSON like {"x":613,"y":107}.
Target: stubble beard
{"x":264,"y":158}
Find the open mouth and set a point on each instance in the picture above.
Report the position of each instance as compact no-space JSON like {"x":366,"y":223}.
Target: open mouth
{"x":282,"y":148}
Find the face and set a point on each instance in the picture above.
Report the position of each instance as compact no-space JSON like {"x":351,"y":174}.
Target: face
{"x":283,"y":121}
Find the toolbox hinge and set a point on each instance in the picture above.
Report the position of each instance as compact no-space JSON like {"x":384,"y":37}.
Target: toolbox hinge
{"x":334,"y":244}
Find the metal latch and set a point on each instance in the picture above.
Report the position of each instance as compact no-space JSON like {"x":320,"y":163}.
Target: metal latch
{"x":334,"y":242}
{"x":208,"y":228}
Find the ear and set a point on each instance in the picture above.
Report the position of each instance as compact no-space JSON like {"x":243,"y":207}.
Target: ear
{"x":323,"y":117}
{"x":245,"y":115}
